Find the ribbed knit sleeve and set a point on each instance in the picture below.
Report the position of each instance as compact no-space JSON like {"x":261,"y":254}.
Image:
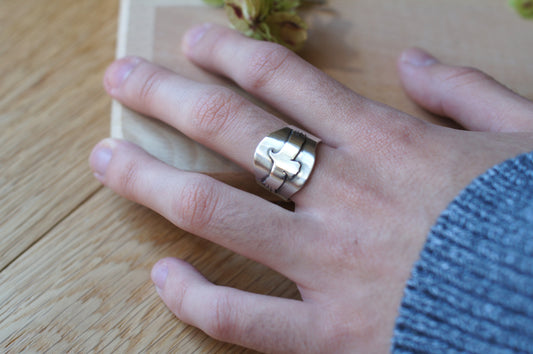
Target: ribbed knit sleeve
{"x":472,"y":288}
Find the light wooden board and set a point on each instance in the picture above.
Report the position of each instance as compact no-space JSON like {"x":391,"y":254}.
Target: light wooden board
{"x":93,"y":291}
{"x":52,"y":110}
{"x":356,"y":42}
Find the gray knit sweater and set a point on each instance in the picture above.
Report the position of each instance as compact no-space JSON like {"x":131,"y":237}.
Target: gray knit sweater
{"x":472,"y":288}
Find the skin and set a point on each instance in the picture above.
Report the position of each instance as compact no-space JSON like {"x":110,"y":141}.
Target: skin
{"x":381,"y":179}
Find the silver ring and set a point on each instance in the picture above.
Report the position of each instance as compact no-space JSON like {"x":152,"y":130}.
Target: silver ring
{"x":284,"y":160}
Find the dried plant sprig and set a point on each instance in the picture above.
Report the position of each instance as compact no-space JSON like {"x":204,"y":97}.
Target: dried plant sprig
{"x":271,"y":20}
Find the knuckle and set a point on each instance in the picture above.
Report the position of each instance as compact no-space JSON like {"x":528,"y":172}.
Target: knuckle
{"x":346,"y":252}
{"x":178,"y":299}
{"x":149,"y":87}
{"x":406,"y":135}
{"x":338,"y":335}
{"x":128,"y":179}
{"x":394,"y":142}
{"x":458,"y":78}
{"x":334,"y":334}
{"x":196,"y":206}
{"x":265,"y":64}
{"x":464,"y":76}
{"x":335,"y":254}
{"x":214,"y":112}
{"x":223,"y":324}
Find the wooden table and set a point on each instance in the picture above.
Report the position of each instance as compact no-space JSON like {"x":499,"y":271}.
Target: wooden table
{"x":75,"y":258}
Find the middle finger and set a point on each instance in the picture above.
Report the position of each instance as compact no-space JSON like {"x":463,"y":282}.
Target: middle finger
{"x":232,"y":218}
{"x":214,"y":116}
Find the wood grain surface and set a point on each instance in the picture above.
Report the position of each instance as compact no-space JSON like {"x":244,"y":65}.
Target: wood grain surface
{"x":52,"y":110}
{"x":75,"y":258}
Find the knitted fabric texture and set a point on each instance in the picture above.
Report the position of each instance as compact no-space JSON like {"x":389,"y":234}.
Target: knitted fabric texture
{"x":472,"y":288}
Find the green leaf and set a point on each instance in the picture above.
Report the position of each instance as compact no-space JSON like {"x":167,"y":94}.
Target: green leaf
{"x":523,"y":7}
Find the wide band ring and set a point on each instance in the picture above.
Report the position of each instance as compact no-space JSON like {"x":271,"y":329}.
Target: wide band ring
{"x":284,"y":160}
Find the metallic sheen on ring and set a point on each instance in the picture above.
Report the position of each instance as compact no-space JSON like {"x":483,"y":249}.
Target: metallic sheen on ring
{"x":284,"y":160}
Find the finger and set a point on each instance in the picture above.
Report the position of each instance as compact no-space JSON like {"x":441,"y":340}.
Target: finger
{"x":282,"y":79}
{"x":237,"y":220}
{"x":260,"y":322}
{"x":212,"y":115}
{"x":470,"y":97}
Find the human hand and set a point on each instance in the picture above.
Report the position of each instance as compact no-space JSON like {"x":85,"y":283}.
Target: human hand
{"x":381,"y":179}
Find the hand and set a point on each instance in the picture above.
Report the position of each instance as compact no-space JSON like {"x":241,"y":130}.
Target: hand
{"x":381,"y":179}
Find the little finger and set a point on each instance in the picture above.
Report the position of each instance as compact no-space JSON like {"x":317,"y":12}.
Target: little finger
{"x":264,"y":323}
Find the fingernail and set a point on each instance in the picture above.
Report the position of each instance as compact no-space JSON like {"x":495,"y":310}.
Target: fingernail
{"x":100,"y":158}
{"x":159,"y":276}
{"x":193,"y":36}
{"x":418,"y":57}
{"x":119,"y":71}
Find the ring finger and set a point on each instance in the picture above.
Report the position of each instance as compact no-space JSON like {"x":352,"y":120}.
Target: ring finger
{"x":234,"y":219}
